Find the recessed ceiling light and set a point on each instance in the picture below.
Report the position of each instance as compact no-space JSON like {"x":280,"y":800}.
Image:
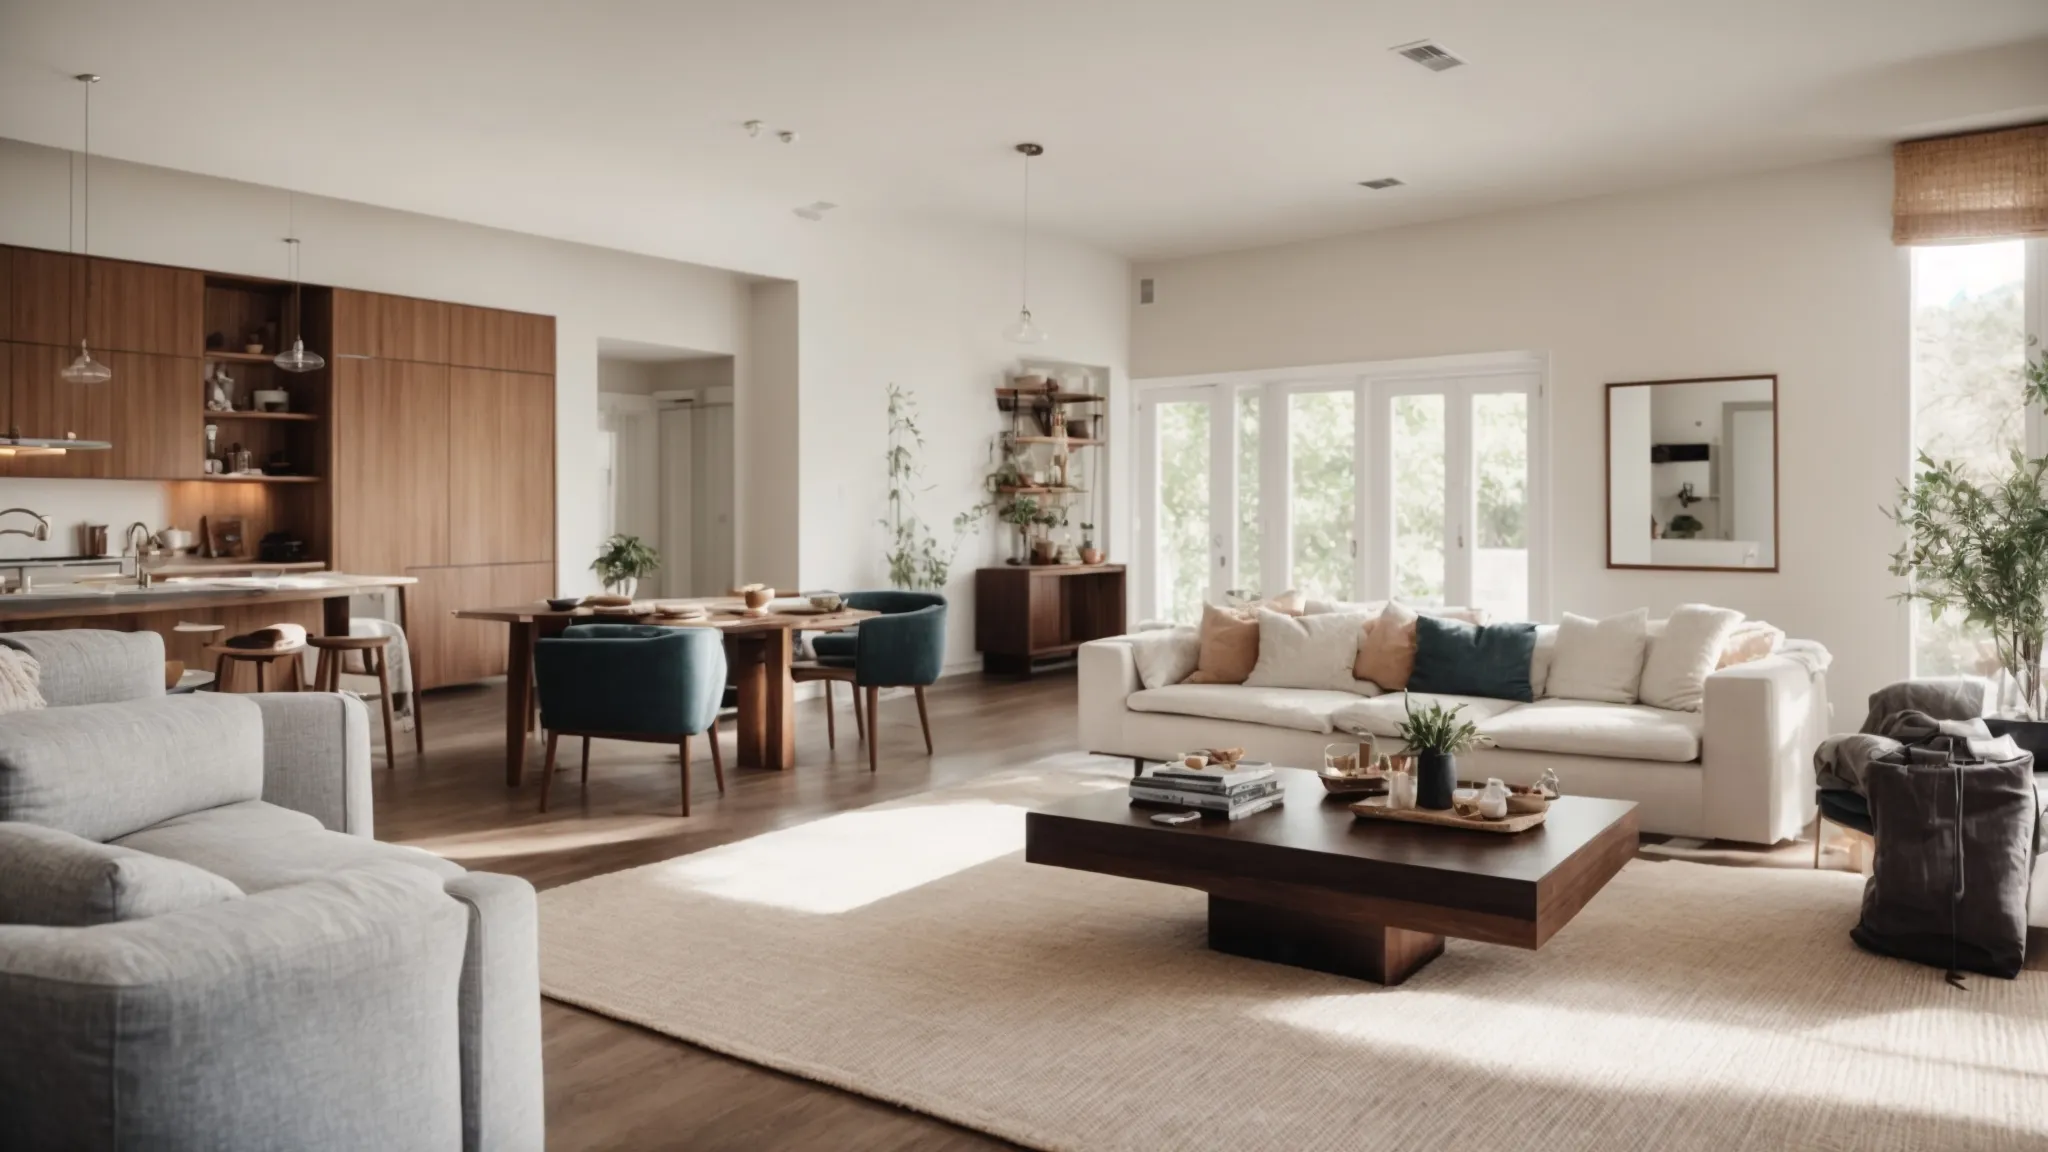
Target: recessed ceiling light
{"x":1382,"y":182}
{"x":1429,"y":54}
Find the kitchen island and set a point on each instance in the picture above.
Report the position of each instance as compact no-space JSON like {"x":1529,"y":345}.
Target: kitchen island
{"x":318,"y":601}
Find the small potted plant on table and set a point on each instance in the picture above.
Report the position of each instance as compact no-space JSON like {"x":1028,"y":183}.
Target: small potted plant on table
{"x":1435,"y":735}
{"x":622,"y":561}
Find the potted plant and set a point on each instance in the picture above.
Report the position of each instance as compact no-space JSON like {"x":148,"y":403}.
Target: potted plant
{"x":1981,"y":548}
{"x":1021,"y":514}
{"x":1684,"y":526}
{"x":1044,"y":549}
{"x":622,"y":561}
{"x":1435,"y":736}
{"x":1090,"y":554}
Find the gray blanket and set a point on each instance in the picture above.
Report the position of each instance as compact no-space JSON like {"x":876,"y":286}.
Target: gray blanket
{"x":1925,"y":721}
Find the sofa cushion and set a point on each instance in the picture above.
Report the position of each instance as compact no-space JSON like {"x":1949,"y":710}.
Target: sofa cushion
{"x":1539,"y":659}
{"x":1165,"y":656}
{"x":1303,"y":709}
{"x":1307,"y":651}
{"x":52,"y":878}
{"x":1683,"y":654}
{"x":261,"y":846}
{"x":94,"y":665}
{"x":1600,"y":659}
{"x":104,"y":770}
{"x":1588,"y":728}
{"x":1229,"y":647}
{"x":1491,"y":660}
{"x":1384,"y":715}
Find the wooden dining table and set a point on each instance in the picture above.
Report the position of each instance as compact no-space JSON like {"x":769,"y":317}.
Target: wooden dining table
{"x":757,"y":652}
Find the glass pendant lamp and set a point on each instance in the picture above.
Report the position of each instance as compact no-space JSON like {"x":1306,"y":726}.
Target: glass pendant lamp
{"x":83,"y":369}
{"x":1025,"y":330}
{"x":296,"y":358}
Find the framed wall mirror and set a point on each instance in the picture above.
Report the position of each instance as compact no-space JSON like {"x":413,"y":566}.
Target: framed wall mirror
{"x":1692,"y":474}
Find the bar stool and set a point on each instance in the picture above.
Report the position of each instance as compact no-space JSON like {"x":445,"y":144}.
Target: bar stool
{"x":225,"y":658}
{"x":334,"y":653}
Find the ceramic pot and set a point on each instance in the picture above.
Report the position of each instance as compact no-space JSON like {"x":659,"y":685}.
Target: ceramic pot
{"x":623,"y":587}
{"x":1020,"y":548}
{"x":1091,"y":555}
{"x":1436,"y":777}
{"x":1044,"y":551}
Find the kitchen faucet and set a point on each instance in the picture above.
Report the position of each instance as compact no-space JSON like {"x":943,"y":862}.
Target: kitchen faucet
{"x":40,"y":532}
{"x":146,"y":547}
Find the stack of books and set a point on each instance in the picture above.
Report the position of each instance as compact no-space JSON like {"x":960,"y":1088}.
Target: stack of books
{"x":1232,"y":795}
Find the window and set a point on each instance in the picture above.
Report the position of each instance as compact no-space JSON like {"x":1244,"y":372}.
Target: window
{"x":1970,"y":321}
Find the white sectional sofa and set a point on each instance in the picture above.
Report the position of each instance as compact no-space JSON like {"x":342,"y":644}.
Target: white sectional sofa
{"x":1741,"y":769}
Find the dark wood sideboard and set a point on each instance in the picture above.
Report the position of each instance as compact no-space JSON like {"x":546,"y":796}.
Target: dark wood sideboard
{"x":1027,"y":616}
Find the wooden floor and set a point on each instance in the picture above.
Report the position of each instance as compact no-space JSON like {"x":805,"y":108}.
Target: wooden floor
{"x":613,"y":1085}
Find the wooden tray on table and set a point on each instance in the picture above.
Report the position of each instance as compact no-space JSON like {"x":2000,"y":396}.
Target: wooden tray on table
{"x":1376,"y":809}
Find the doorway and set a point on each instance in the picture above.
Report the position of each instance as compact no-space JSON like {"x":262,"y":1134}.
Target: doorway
{"x":665,"y":423}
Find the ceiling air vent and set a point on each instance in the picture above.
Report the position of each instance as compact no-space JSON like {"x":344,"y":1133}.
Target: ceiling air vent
{"x":1145,"y":290}
{"x":1382,"y":182}
{"x":1430,"y":55}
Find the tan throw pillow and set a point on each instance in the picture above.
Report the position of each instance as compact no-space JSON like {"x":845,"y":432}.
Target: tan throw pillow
{"x":1288,"y":603}
{"x":1751,"y":640}
{"x":1229,"y":648}
{"x":1386,"y":652}
{"x":20,"y":681}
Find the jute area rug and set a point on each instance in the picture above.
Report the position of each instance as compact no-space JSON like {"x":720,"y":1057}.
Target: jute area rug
{"x":906,"y":952}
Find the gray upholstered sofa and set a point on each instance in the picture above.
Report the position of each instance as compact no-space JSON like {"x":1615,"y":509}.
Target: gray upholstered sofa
{"x":202,"y":946}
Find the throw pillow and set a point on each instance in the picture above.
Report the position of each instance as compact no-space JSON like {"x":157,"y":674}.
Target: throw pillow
{"x":1453,"y":658}
{"x":1539,"y":661}
{"x":1166,"y":657}
{"x":54,"y":879}
{"x":20,"y":681}
{"x":1675,"y":672}
{"x":1386,"y":650}
{"x":1306,"y":651}
{"x":1751,"y":640}
{"x":1599,"y":660}
{"x":1228,"y":648}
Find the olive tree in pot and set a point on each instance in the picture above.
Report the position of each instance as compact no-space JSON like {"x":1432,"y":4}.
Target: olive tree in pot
{"x":1979,"y":546}
{"x":622,"y":561}
{"x":1435,"y":735}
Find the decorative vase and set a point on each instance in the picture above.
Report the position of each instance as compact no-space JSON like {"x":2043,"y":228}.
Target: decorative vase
{"x":1020,"y":547}
{"x":1091,"y":555}
{"x":1436,"y":777}
{"x":623,"y":586}
{"x":1044,"y":552}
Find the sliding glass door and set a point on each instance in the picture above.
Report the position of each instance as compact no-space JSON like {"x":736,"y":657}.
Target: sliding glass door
{"x":1421,"y":486}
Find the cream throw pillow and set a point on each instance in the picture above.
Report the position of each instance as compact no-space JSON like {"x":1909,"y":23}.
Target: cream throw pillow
{"x":1166,"y":657}
{"x":1599,"y":660}
{"x":1228,"y":649}
{"x":20,"y":681}
{"x":1680,"y":659}
{"x":1306,"y":651}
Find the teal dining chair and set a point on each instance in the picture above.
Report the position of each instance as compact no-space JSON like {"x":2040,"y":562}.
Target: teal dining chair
{"x":630,"y":682}
{"x":904,"y":647}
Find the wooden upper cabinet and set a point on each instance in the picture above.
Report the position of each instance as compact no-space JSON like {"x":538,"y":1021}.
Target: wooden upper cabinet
{"x":495,"y":338}
{"x":6,"y":298}
{"x":390,"y":327}
{"x":157,"y":425}
{"x":145,"y":308}
{"x":390,"y":467}
{"x":501,"y":467}
{"x":46,"y":297}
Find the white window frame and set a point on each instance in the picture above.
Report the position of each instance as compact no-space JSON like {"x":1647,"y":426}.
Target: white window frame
{"x":1371,"y":382}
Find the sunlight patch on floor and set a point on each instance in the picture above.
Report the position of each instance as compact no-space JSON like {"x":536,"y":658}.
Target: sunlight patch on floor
{"x":853,"y":859}
{"x":556,"y":836}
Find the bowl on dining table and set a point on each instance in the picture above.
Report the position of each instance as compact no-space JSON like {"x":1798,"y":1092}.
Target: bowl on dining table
{"x":758,"y":595}
{"x":563,"y":603}
{"x":827,"y":601}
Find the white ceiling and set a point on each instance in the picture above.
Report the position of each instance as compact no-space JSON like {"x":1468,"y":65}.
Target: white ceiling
{"x":1171,"y":126}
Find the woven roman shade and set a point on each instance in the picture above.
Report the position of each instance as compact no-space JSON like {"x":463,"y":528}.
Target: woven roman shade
{"x":1984,"y":186}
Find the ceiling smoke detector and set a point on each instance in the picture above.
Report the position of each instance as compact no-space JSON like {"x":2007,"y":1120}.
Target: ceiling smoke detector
{"x":1430,"y":55}
{"x":1382,"y":182}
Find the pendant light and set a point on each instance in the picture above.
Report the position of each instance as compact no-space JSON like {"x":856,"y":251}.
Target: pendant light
{"x":296,"y":359}
{"x":1026,"y":330}
{"x":84,"y":369}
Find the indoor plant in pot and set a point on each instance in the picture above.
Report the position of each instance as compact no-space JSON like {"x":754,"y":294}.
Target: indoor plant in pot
{"x":1021,"y":514}
{"x":1090,"y":554}
{"x":1979,"y":545}
{"x":1435,"y":735}
{"x":622,"y":561}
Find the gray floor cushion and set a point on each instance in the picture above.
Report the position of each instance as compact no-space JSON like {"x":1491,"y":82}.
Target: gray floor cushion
{"x":260,"y":846}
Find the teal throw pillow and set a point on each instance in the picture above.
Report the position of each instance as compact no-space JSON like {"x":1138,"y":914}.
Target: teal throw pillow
{"x":1453,"y":658}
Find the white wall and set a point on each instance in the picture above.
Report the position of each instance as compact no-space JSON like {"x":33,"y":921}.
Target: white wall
{"x":925,"y":308}
{"x":70,"y":503}
{"x":164,"y":216}
{"x":1791,"y":272}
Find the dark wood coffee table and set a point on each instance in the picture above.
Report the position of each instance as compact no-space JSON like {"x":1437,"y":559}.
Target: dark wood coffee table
{"x":1310,"y":885}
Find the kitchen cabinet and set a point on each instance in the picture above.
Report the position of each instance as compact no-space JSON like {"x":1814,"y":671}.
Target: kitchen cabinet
{"x":390,"y":468}
{"x":388,"y":327}
{"x":501,"y":467}
{"x":46,"y":297}
{"x":495,"y":338}
{"x":156,"y":424}
{"x":48,"y":407}
{"x":145,"y":308}
{"x":463,"y":651}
